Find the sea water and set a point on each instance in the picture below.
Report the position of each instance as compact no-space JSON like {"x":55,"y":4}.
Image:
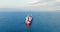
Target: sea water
{"x":42,"y":22}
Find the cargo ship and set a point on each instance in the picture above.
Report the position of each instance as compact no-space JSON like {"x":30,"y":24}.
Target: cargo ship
{"x":28,"y":21}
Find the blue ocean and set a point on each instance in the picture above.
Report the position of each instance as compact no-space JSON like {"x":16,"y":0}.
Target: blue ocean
{"x":42,"y":22}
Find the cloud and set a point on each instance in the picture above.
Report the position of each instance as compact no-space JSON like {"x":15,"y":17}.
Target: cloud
{"x":38,"y":3}
{"x":44,"y":5}
{"x":57,"y":8}
{"x":57,"y":5}
{"x":57,"y":0}
{"x":41,"y":5}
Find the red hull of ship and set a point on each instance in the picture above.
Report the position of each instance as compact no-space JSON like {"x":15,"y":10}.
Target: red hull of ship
{"x":28,"y":23}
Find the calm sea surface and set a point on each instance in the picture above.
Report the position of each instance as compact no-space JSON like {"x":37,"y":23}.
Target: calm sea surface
{"x":42,"y":22}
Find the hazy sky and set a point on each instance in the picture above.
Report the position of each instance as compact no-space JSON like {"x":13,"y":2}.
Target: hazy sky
{"x":39,"y":5}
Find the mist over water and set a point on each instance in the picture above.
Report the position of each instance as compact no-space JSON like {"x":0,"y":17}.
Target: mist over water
{"x":42,"y":22}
